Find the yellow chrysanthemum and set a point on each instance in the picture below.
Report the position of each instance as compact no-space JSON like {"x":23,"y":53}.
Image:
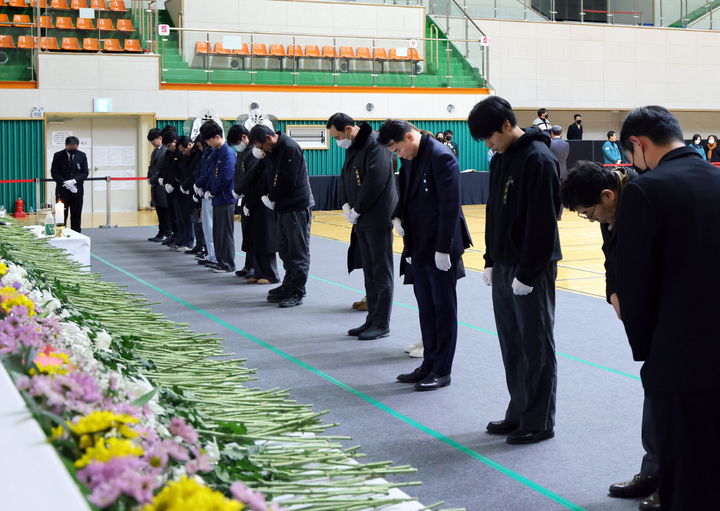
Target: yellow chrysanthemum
{"x":101,"y":421}
{"x":106,"y":449}
{"x":3,"y":269}
{"x":189,"y":495}
{"x":9,"y":298}
{"x":57,"y":431}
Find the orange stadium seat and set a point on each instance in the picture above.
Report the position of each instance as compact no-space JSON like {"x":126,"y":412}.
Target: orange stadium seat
{"x":202,"y":48}
{"x":59,"y":4}
{"x":105,"y":24}
{"x":64,"y":23}
{"x":46,"y":22}
{"x":91,"y":44}
{"x":363,"y":52}
{"x":125,"y":25}
{"x":21,"y":4}
{"x":259,"y":50}
{"x":346,"y":52}
{"x":85,"y":24}
{"x":111,"y":45}
{"x":220,"y":50}
{"x":242,"y":51}
{"x":312,"y":51}
{"x":380,"y":54}
{"x":98,"y":5}
{"x":394,"y":55}
{"x":329,"y":52}
{"x":6,"y":41}
{"x":277,"y":50}
{"x":21,"y":20}
{"x":70,"y":44}
{"x":49,"y":43}
{"x":4,"y":20}
{"x":414,"y":55}
{"x":117,"y":6}
{"x":78,"y":4}
{"x":133,"y":46}
{"x":27,"y":42}
{"x":43,"y":3}
{"x":295,"y":51}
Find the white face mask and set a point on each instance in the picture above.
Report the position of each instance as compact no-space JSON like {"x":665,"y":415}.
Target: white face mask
{"x":258,"y":153}
{"x":241,"y":147}
{"x":344,"y":144}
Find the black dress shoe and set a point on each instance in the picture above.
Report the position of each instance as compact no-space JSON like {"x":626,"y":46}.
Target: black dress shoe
{"x":640,"y":485}
{"x":373,"y":333}
{"x":277,"y":291}
{"x":523,"y":436}
{"x":354,"y":332}
{"x":154,"y":238}
{"x":503,"y":427}
{"x":293,"y":300}
{"x":652,"y":502}
{"x":417,"y":375}
{"x":195,"y":250}
{"x":162,"y":238}
{"x":433,"y":382}
{"x":168,"y":240}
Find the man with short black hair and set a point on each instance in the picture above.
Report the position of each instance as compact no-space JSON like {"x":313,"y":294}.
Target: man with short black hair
{"x":543,"y":120}
{"x":449,"y":139}
{"x":237,"y":139}
{"x":595,"y":193}
{"x":290,"y":196}
{"x":219,"y":189}
{"x":69,"y":169}
{"x":667,"y":284}
{"x":435,"y":236}
{"x":154,"y":136}
{"x":369,"y":197}
{"x":575,"y":130}
{"x":611,"y":151}
{"x":522,"y":250}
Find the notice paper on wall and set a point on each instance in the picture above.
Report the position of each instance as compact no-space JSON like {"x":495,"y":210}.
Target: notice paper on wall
{"x":58,"y":138}
{"x":99,"y":186}
{"x":114,"y":156}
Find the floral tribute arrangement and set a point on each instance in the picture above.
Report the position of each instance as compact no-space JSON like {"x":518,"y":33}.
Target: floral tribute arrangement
{"x":148,"y":415}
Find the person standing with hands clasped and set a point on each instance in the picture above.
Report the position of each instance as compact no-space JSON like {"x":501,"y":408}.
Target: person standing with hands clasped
{"x":522,"y":250}
{"x":430,"y":219}
{"x":69,"y":170}
{"x":367,"y":190}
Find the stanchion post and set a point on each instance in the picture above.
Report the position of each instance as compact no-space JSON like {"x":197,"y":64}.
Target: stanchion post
{"x":108,"y":207}
{"x":37,"y":200}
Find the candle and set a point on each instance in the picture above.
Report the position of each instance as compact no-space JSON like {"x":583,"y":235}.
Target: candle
{"x":59,"y":213}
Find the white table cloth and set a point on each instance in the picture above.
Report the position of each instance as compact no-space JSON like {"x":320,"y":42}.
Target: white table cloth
{"x":77,"y":245}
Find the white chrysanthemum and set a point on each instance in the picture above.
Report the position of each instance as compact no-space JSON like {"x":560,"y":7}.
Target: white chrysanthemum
{"x":103,"y":340}
{"x":213,"y":451}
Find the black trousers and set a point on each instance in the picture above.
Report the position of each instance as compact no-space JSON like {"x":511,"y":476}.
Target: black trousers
{"x":265,"y":266}
{"x":377,"y":261}
{"x":294,"y":248}
{"x":224,"y":235}
{"x":73,"y":207}
{"x":171,"y":202}
{"x":687,"y":433}
{"x":525,"y":329}
{"x":184,"y":235}
{"x":437,"y":304}
{"x":247,"y":244}
{"x":650,"y":464}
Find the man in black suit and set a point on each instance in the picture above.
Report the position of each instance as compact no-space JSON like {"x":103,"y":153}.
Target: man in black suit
{"x":667,"y":284}
{"x":575,"y":130}
{"x":522,"y":250}
{"x":369,"y":197}
{"x":434,"y":237}
{"x":69,"y":169}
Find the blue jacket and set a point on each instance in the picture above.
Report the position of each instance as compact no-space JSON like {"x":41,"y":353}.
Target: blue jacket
{"x":611,"y":152}
{"x":222,"y":171}
{"x":699,"y":149}
{"x":203,"y":175}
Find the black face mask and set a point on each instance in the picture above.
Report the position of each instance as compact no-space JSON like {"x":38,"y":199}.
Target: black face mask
{"x":579,"y":121}
{"x":71,"y":151}
{"x":448,"y":138}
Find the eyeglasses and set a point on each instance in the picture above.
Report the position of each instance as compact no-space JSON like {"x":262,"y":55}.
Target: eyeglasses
{"x":588,"y":215}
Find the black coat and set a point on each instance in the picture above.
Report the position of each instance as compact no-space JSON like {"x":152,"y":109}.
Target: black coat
{"x":429,"y":207}
{"x":157,"y":192}
{"x":575,"y":132}
{"x":62,"y":169}
{"x":253,"y":179}
{"x":523,"y":206}
{"x":291,"y":186}
{"x":668,"y":277}
{"x":367,"y":184}
{"x":171,"y":169}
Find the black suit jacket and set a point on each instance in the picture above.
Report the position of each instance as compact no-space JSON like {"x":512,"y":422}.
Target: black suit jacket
{"x":429,"y":205}
{"x":63,"y":169}
{"x":668,"y":277}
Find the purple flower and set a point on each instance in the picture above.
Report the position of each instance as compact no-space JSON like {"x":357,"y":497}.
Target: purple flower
{"x":254,"y":500}
{"x":128,"y":475}
{"x":201,"y":463}
{"x":180,"y":428}
{"x":175,"y":450}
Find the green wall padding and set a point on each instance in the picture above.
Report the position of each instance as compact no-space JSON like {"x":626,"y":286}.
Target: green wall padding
{"x":22,"y":158}
{"x":325,"y":162}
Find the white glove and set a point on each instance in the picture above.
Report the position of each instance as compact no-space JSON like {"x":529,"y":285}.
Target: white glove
{"x":161,"y":181}
{"x":73,"y":189}
{"x":198,"y":190}
{"x":246,"y":211}
{"x":397,"y":224}
{"x":208,"y":196}
{"x":520,"y":289}
{"x":442,"y":261}
{"x":69,"y":183}
{"x":195,"y":199}
{"x":487,"y":275}
{"x":235,"y":195}
{"x":353,"y":216}
{"x":169,"y":188}
{"x":346,"y":211}
{"x":268,"y":204}
{"x":408,"y":260}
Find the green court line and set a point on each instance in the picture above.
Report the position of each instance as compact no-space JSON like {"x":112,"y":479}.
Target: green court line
{"x":390,"y":411}
{"x":485,"y":330}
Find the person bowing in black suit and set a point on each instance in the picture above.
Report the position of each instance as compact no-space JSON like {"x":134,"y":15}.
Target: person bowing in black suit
{"x":69,"y":170}
{"x":435,"y":235}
